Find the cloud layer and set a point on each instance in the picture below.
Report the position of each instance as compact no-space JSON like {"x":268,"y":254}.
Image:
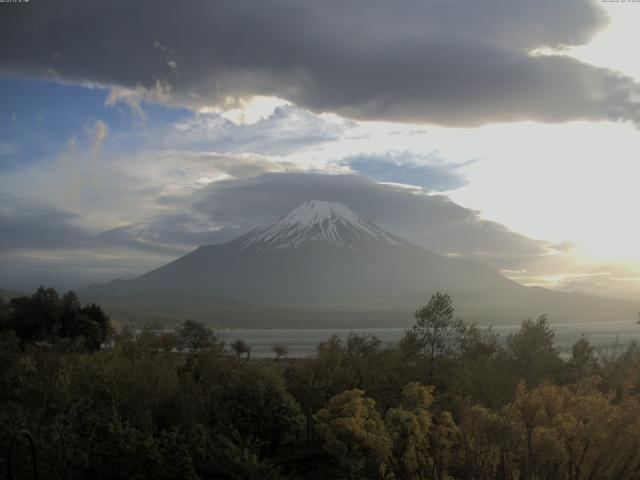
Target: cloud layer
{"x":228,"y":208}
{"x":445,"y":62}
{"x":248,"y":193}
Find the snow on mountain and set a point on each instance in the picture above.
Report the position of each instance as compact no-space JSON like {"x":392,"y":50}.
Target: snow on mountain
{"x":316,"y":221}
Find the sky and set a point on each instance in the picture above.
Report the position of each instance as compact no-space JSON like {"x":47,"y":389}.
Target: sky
{"x":502,"y":132}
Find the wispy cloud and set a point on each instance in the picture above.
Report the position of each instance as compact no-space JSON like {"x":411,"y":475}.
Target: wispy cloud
{"x":134,"y":96}
{"x":100,"y":132}
{"x":7,"y":148}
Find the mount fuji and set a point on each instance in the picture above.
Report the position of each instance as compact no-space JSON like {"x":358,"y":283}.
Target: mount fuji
{"x":323,"y":257}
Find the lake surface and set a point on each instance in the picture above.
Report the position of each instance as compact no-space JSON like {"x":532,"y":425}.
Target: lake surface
{"x":303,"y":342}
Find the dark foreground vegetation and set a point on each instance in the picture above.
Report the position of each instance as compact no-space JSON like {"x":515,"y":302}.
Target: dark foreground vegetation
{"x":447,"y":402}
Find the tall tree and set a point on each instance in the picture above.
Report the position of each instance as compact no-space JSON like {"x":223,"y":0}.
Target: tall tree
{"x":532,"y":351}
{"x":434,"y":323}
{"x":583,"y":358}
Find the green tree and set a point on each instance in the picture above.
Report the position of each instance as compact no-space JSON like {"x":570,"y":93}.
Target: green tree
{"x":244,"y":401}
{"x":408,"y":429}
{"x":410,"y":345}
{"x":353,"y":433}
{"x":443,"y":438}
{"x":474,"y":342}
{"x":362,"y":344}
{"x":532,"y":352}
{"x":195,"y":337}
{"x":434,"y":325}
{"x":583,"y":358}
{"x":314,"y":382}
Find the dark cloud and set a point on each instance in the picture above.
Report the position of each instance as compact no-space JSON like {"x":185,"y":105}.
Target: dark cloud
{"x":67,"y":272}
{"x":442,"y":61}
{"x":39,"y":227}
{"x":35,"y":227}
{"x":177,"y":229}
{"x":42,"y":245}
{"x":426,"y":171}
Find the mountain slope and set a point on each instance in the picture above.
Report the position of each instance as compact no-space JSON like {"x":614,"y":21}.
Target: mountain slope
{"x":324,"y":256}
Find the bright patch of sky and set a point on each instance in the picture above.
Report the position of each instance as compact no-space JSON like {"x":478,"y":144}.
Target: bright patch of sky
{"x":616,"y":46}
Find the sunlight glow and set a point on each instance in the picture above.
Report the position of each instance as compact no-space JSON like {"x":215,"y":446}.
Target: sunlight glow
{"x":253,"y":109}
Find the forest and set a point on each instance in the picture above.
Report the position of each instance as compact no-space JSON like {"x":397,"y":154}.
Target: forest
{"x":449,"y":401}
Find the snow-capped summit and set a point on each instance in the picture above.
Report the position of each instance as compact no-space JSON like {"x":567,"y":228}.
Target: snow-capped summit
{"x":316,"y":221}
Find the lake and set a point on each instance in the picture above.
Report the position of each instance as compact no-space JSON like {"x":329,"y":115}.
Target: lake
{"x":303,"y":342}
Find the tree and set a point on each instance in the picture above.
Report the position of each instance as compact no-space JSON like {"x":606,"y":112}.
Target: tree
{"x":259,"y":406}
{"x":473,"y":341}
{"x":95,"y":313}
{"x":443,"y":438}
{"x":195,"y":337}
{"x":314,"y":382}
{"x":36,"y":317}
{"x":489,"y":442}
{"x":410,"y":345}
{"x":353,"y":433}
{"x":168,"y":340}
{"x":46,"y":304}
{"x":280,"y":350}
{"x":408,"y":430}
{"x":576,"y":432}
{"x":243,"y":400}
{"x":583,"y":359}
{"x":70,"y":309}
{"x":434,"y":323}
{"x":240,"y":347}
{"x":532,"y":351}
{"x":5,"y":315}
{"x":89,"y":322}
{"x":87,"y":328}
{"x":46,"y":316}
{"x":362,"y":344}
{"x":10,"y":379}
